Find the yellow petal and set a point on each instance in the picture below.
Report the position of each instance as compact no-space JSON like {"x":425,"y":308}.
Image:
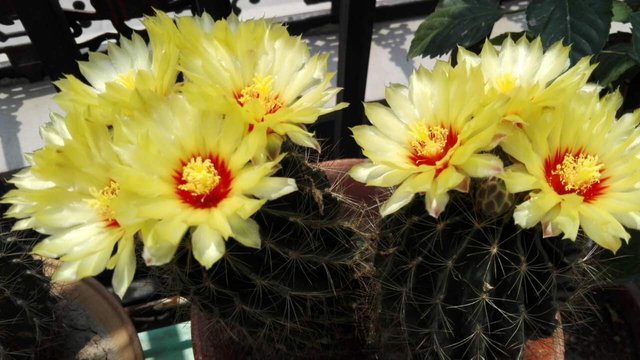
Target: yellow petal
{"x":568,"y":221}
{"x":448,"y":179}
{"x":305,"y":139}
{"x":517,"y":179}
{"x":435,"y":204}
{"x":378,"y":174}
{"x":396,"y":96}
{"x":530,"y":212}
{"x":125,"y":267}
{"x":161,"y":241}
{"x":218,"y":221}
{"x":482,"y":165}
{"x":250,"y":206}
{"x":377,"y":147}
{"x":386,"y":121}
{"x":400,"y":197}
{"x":245,"y":231}
{"x":59,"y":244}
{"x":273,"y":187}
{"x":208,"y":245}
{"x":602,"y":228}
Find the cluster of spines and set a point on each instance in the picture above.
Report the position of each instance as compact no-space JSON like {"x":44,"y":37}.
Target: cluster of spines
{"x":27,"y":319}
{"x":299,"y":294}
{"x":468,"y":285}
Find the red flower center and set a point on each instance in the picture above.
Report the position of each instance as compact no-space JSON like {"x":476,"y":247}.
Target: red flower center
{"x":575,"y":172}
{"x":431,"y":144}
{"x":203,"y":182}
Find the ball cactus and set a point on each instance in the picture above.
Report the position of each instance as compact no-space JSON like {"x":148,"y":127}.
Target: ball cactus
{"x":301,"y":293}
{"x":468,"y":285}
{"x":27,"y":319}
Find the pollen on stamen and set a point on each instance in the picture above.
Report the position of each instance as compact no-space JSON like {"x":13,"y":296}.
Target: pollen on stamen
{"x":577,"y":173}
{"x":200,"y":176}
{"x":202,"y":182}
{"x":260,"y":90}
{"x":102,"y":202}
{"x":430,"y":144}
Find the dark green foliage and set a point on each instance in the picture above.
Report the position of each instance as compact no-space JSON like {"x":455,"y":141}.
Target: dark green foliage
{"x":453,"y":23}
{"x":583,"y":24}
{"x":300,"y":294}
{"x":26,"y":303}
{"x":468,"y":285}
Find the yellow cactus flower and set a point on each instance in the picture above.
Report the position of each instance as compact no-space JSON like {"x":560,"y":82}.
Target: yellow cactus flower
{"x":431,"y":138}
{"x":581,"y":168}
{"x":188,"y":170}
{"x":259,"y":71}
{"x":120,"y":80}
{"x":68,"y":194}
{"x":529,"y":77}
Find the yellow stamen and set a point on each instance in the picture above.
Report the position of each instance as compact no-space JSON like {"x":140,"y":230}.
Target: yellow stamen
{"x":429,"y":141}
{"x":200,"y":176}
{"x":505,"y":83}
{"x":578,"y":173}
{"x":260,"y":90}
{"x":102,"y":200}
{"x":127,"y":79}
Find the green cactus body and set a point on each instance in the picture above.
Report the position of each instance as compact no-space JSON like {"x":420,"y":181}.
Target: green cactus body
{"x":26,"y":303}
{"x":298,"y":295}
{"x":469,"y":285}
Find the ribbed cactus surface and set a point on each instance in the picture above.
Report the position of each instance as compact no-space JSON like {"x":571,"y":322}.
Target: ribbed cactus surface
{"x":26,"y":303}
{"x":300,"y":294}
{"x":471,"y":284}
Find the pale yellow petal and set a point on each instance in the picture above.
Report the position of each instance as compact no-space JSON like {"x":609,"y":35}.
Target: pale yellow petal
{"x":161,"y":241}
{"x":568,"y":221}
{"x":482,"y":165}
{"x":208,"y":246}
{"x":125,"y":267}
{"x":448,"y":179}
{"x":531,"y":212}
{"x":378,"y":174}
{"x":435,"y":204}
{"x":517,"y":179}
{"x":602,"y":228}
{"x":250,"y":207}
{"x":245,"y":231}
{"x":400,"y":197}
{"x":273,"y":187}
{"x":304,"y":138}
{"x":386,"y":121}
{"x":377,"y":147}
{"x":59,"y":244}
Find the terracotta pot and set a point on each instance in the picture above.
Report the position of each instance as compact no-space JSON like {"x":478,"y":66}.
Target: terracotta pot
{"x":551,"y":348}
{"x":96,"y":324}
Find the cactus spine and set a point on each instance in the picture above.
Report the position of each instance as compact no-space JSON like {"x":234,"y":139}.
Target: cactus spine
{"x":471,"y":284}
{"x":26,"y":303}
{"x":299,"y":294}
